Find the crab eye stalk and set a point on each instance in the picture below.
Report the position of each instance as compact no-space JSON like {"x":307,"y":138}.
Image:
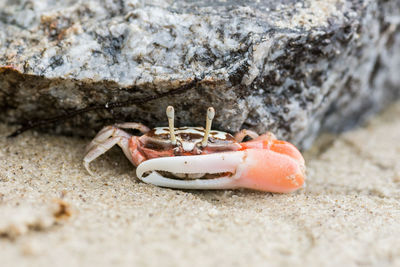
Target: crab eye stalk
{"x":170,"y":114}
{"x":209,"y":119}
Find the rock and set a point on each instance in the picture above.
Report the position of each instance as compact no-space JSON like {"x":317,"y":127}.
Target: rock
{"x":291,"y":67}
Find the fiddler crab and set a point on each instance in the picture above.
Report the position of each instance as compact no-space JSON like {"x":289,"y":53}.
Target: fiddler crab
{"x":198,"y":158}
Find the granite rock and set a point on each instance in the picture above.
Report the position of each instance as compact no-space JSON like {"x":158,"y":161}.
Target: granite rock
{"x":291,"y":67}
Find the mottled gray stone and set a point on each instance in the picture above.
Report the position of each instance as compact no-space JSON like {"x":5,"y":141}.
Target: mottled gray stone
{"x":292,"y":67}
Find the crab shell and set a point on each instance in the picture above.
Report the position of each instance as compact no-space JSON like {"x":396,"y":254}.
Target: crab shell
{"x":265,"y":163}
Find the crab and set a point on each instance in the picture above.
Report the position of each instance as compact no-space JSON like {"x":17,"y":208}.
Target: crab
{"x":201,"y":158}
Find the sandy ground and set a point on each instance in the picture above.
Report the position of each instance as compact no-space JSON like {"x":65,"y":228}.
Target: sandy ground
{"x":52,"y":213}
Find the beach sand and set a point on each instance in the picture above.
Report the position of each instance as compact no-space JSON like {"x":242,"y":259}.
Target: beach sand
{"x":52,"y":213}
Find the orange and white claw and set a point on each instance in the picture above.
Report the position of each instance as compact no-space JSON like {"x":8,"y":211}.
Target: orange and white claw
{"x":257,"y":169}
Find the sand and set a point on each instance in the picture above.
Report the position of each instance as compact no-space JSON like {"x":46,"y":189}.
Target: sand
{"x":52,"y":213}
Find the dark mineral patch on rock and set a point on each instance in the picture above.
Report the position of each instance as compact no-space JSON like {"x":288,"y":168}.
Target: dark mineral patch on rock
{"x":291,"y":67}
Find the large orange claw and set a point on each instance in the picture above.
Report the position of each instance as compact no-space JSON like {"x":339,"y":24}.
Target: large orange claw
{"x":253,"y":168}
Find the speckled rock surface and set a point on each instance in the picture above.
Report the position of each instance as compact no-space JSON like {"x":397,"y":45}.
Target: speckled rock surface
{"x":291,"y":67}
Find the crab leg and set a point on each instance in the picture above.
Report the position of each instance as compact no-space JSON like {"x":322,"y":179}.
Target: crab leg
{"x":101,"y":137}
{"x":239,"y":136}
{"x":99,"y":150}
{"x":104,"y":140}
{"x":113,"y":130}
{"x":134,"y":126}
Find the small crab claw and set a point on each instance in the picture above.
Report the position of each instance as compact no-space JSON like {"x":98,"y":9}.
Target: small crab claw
{"x":258,"y":169}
